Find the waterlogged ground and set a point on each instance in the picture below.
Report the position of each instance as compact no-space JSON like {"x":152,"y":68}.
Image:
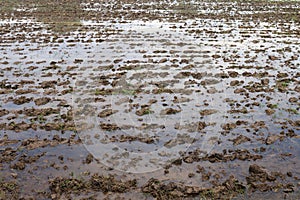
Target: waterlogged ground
{"x":149,"y":99}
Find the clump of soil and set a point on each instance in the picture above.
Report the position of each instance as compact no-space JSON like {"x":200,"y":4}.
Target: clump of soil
{"x":144,"y":111}
{"x":160,"y":190}
{"x":8,"y":190}
{"x":110,"y":184}
{"x":129,"y":138}
{"x":170,"y":111}
{"x":240,"y":139}
{"x":59,"y":186}
{"x":3,"y":112}
{"x":273,"y":138}
{"x":225,"y":156}
{"x":21,"y":100}
{"x":263,"y":180}
{"x":42,"y":101}
{"x":109,"y":127}
{"x":208,"y":112}
{"x":107,"y":112}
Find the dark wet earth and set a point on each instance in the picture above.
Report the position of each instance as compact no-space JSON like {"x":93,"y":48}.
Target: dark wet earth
{"x":149,"y":99}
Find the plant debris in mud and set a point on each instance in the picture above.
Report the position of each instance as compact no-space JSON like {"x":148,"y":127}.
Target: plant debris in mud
{"x":8,"y":190}
{"x":172,"y":190}
{"x":105,"y":184}
{"x":263,"y":180}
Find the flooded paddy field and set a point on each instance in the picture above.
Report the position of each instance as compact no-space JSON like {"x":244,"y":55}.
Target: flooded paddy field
{"x":149,"y":99}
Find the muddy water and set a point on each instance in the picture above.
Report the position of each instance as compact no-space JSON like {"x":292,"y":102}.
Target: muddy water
{"x":189,"y":95}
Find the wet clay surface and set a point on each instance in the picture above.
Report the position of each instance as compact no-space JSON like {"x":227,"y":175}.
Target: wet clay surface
{"x":149,"y":100}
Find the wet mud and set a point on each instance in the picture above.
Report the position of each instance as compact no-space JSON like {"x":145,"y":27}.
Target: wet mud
{"x":201,"y":98}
